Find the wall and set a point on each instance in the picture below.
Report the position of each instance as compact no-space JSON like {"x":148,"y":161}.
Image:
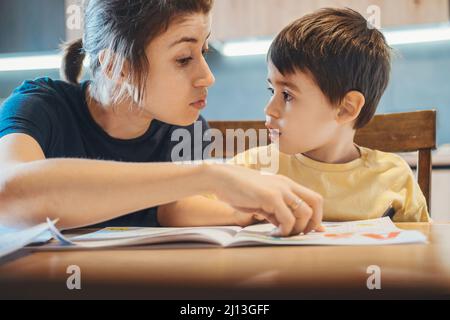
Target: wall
{"x":31,"y":25}
{"x":420,"y":80}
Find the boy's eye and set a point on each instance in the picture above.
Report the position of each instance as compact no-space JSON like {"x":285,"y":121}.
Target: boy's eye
{"x":286,"y":96}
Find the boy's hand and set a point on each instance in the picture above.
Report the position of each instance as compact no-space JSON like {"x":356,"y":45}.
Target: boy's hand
{"x":244,"y":219}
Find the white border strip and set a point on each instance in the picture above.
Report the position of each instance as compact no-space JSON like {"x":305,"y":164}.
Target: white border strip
{"x":231,"y":49}
{"x":394,"y":38}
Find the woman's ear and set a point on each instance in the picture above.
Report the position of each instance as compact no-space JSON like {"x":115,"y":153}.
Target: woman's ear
{"x":350,"y":107}
{"x":108,"y":65}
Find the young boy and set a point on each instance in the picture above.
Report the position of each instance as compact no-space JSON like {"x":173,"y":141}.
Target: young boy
{"x":327,"y":72}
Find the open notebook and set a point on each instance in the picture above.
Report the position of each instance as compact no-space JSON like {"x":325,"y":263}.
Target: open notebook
{"x":369,"y":232}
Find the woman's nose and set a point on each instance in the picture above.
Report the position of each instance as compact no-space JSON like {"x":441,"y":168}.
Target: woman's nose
{"x":207,"y":78}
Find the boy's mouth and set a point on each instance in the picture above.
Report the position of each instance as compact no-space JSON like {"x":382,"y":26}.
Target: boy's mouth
{"x":274,"y":134}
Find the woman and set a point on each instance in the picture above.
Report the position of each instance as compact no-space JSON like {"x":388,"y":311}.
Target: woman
{"x":97,"y":151}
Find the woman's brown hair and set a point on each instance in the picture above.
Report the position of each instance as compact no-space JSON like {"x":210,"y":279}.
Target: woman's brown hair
{"x":118,"y":31}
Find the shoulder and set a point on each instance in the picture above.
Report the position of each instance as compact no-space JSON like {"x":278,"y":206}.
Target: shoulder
{"x":42,"y":93}
{"x":385,"y":161}
{"x":259,"y":157}
{"x":40,"y":108}
{"x":45,"y":85}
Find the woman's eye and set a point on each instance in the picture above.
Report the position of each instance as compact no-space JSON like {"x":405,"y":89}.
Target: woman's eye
{"x":184,"y":61}
{"x":205,"y":52}
{"x":272,"y":92}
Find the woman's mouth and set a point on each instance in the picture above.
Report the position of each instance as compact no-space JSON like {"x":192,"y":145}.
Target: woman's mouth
{"x":199,"y":105}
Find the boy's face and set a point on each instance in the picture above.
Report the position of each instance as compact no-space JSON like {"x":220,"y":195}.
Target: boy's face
{"x":299,"y":110}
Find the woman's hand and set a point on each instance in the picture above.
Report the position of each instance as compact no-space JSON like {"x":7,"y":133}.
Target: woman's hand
{"x":292,"y":208}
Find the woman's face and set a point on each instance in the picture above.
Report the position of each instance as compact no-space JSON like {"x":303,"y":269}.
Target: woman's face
{"x":179,"y":77}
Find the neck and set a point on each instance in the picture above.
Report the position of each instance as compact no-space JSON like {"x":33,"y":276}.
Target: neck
{"x":120,"y":121}
{"x":341,"y":149}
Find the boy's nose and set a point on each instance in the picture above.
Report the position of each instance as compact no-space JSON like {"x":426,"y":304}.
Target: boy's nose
{"x":271,"y":111}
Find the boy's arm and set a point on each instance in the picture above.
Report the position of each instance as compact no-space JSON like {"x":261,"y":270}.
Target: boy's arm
{"x":201,"y":211}
{"x":414,"y":206}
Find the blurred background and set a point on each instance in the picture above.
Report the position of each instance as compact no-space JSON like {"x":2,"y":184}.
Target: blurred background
{"x":418,"y":30}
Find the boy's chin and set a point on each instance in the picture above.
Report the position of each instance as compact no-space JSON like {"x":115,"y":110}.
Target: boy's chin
{"x":289,"y":149}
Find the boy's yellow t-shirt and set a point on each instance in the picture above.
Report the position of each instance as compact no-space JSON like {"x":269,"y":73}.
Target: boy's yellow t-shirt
{"x":358,"y":190}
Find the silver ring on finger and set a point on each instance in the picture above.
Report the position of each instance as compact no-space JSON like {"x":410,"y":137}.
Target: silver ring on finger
{"x":297,"y":204}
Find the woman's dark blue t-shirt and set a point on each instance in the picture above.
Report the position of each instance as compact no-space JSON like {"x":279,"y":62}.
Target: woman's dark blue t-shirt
{"x":56,"y":115}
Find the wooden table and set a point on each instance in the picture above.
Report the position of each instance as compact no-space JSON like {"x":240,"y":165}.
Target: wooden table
{"x":407,"y":271}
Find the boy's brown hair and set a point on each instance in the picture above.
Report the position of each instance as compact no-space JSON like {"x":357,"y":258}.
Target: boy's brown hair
{"x":341,"y":51}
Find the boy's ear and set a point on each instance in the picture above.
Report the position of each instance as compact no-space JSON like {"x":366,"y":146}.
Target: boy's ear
{"x":350,"y":107}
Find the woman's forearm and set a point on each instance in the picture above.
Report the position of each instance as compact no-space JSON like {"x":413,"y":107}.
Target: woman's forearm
{"x":84,"y":192}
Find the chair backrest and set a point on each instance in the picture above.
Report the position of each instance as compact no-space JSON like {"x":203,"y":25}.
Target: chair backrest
{"x":398,"y":132}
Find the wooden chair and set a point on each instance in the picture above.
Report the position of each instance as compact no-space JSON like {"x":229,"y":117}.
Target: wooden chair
{"x":398,"y":132}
